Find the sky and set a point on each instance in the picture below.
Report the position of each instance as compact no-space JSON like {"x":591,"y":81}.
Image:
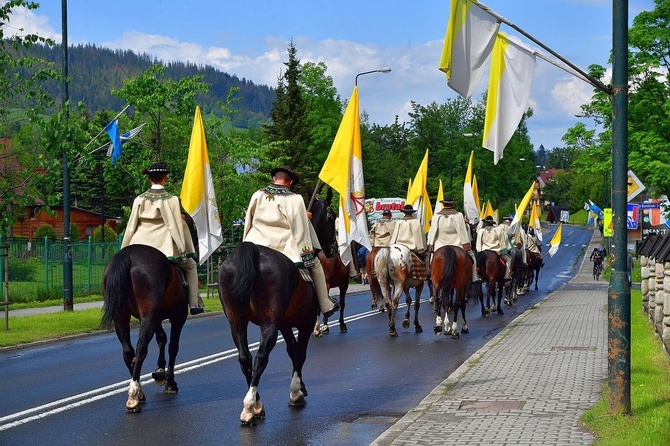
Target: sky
{"x":249,"y":38}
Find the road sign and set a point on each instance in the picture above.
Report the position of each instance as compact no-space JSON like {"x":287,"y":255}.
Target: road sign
{"x":633,"y":216}
{"x":608,"y":224}
{"x":635,"y":186}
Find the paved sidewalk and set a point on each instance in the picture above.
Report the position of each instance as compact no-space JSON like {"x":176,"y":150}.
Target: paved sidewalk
{"x":530,"y":384}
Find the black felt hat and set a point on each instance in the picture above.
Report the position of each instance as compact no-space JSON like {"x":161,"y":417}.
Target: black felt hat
{"x":448,"y":199}
{"x":408,"y":209}
{"x":287,"y":170}
{"x":156,"y":168}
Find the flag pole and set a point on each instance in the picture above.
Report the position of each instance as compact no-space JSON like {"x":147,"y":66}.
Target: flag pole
{"x":101,"y":131}
{"x":319,"y":184}
{"x":592,"y":80}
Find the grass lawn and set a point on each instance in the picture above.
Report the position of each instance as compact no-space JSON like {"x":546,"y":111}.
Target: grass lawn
{"x":649,"y":422}
{"x":39,"y":327}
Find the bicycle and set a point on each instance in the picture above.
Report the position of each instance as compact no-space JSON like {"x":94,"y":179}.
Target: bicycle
{"x":597,"y":268}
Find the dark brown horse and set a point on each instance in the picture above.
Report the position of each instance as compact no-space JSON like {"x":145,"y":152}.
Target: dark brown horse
{"x":140,"y":281}
{"x":450,"y":271}
{"x":515,"y":287}
{"x":535,"y":264}
{"x":337,"y":274}
{"x":262,"y":286}
{"x":492,"y":271}
{"x":375,"y":289}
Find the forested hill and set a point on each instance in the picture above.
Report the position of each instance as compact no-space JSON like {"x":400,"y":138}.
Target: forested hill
{"x":95,"y":72}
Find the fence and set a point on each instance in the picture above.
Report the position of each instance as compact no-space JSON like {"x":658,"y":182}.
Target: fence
{"x":36,"y":269}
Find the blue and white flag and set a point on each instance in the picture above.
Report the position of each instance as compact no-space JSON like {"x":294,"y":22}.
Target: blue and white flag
{"x":112,"y":130}
{"x":113,"y":150}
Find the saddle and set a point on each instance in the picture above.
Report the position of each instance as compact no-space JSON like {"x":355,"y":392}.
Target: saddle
{"x":419,"y":271}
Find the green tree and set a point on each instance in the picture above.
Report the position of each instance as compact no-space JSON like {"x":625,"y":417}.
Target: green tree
{"x":21,"y":83}
{"x":289,"y":126}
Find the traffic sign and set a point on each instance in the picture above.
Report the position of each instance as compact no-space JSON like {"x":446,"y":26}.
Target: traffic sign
{"x":635,"y":186}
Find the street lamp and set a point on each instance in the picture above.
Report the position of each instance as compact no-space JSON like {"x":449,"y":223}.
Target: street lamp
{"x":379,"y":70}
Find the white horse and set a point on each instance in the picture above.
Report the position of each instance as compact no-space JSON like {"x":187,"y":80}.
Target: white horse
{"x":393,"y":267}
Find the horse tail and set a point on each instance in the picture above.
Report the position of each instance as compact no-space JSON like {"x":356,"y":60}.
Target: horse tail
{"x":116,"y":287}
{"x":248,"y":259}
{"x":449,"y":267}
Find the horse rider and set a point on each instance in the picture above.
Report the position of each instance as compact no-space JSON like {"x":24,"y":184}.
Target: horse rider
{"x":508,"y":244}
{"x":448,"y":227}
{"x":533,"y":245}
{"x":277,"y":218}
{"x":408,"y":231}
{"x":156,"y":219}
{"x":494,"y":238}
{"x":381,"y":232}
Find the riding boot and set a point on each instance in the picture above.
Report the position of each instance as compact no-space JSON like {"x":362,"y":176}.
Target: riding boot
{"x":327,"y":305}
{"x":194,"y":300}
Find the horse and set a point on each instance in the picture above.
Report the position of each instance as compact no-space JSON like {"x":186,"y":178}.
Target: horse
{"x":515,"y":287}
{"x":375,"y":288}
{"x":533,"y":268}
{"x":263,"y":286}
{"x":492,"y":271}
{"x":450,"y":272}
{"x":337,"y":274}
{"x":394,"y":270}
{"x":140,"y":281}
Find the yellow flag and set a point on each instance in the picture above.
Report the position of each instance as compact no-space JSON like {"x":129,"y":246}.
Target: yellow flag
{"x":343,"y":171}
{"x":418,"y":196}
{"x":522,"y":207}
{"x":409,"y":186}
{"x":197,"y":192}
{"x":556,"y":240}
{"x":535,"y":222}
{"x":440,"y":197}
{"x":475,"y":191}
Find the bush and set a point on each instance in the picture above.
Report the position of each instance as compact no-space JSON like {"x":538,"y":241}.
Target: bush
{"x":22,"y":270}
{"x":74,"y":232}
{"x":110,"y":235}
{"x":45,"y":230}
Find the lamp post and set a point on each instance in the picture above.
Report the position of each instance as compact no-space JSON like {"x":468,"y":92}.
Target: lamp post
{"x":378,"y":70}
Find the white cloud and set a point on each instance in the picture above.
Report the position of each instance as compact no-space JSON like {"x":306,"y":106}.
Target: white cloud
{"x":23,"y":21}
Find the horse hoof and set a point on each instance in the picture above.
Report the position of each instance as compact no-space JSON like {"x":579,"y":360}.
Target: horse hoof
{"x":133,"y":409}
{"x":405,"y":323}
{"x":455,"y":336}
{"x":500,"y":311}
{"x":418,"y":329}
{"x":465,"y":331}
{"x":343,"y":328}
{"x":393,"y":334}
{"x":171,"y":391}
{"x":437,"y":329}
{"x":325,"y":329}
{"x":300,"y":402}
{"x":159,"y":376}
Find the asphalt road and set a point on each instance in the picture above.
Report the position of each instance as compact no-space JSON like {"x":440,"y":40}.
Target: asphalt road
{"x":359,"y":383}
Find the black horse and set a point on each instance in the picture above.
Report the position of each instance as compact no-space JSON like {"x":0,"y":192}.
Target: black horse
{"x":515,"y":287}
{"x":140,"y":281}
{"x":263,"y":286}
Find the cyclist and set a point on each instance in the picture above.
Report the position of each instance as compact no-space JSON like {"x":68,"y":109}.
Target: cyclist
{"x":598,"y":255}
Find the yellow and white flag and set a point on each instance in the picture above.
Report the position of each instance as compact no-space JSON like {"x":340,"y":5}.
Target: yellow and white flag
{"x":440,"y":197}
{"x":197,"y":192}
{"x":418,"y":196}
{"x":469,"y":205}
{"x":475,"y":191}
{"x":556,"y":240}
{"x":516,"y":221}
{"x":510,"y":81}
{"x":343,"y":171}
{"x":535,"y":222}
{"x":467,"y":45}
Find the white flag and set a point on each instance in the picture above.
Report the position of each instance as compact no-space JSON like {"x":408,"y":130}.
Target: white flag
{"x":512,"y":68}
{"x":469,"y":40}
{"x":197,"y":192}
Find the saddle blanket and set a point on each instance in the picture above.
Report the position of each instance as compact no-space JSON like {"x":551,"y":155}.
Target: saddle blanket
{"x":419,"y":271}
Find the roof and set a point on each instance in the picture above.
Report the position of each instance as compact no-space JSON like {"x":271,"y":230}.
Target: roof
{"x":545,"y":176}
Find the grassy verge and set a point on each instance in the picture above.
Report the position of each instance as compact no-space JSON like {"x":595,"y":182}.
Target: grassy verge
{"x":25,"y":329}
{"x":650,"y":392}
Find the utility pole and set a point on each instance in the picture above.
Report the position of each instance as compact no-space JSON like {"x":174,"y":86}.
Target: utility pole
{"x":67,"y":243}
